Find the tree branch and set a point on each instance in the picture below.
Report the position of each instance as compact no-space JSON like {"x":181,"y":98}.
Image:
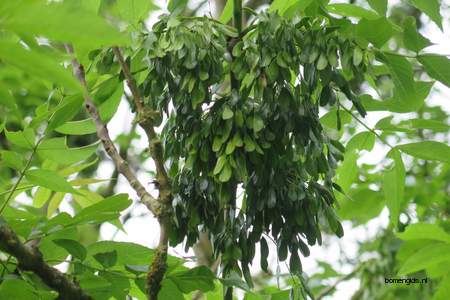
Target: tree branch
{"x":30,"y":259}
{"x":328,"y":290}
{"x":145,"y":117}
{"x":145,"y":120}
{"x":103,"y":134}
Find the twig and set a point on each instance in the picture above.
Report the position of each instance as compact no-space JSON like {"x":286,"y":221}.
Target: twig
{"x":30,"y":259}
{"x":331,"y":288}
{"x":103,"y":134}
{"x":22,"y":174}
{"x":368,"y":128}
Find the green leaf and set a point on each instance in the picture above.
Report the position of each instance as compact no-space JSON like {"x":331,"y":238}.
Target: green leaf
{"x":176,"y":6}
{"x":17,"y":289}
{"x":12,"y":159}
{"x":443,"y":289}
{"x":56,"y":150}
{"x":426,"y":257}
{"x":429,"y":150}
{"x":412,"y":39}
{"x":63,"y":22}
{"x":127,"y":253}
{"x":81,"y":127}
{"x":348,"y":170}
{"x":394,"y":186}
{"x":219,"y":164}
{"x":350,"y":10}
{"x":73,"y":247}
{"x":37,"y":64}
{"x":49,"y":179}
{"x":431,"y":8}
{"x":362,"y":141}
{"x":258,"y":124}
{"x":106,"y":259}
{"x":402,"y":75}
{"x":362,"y":205}
{"x":108,"y":98}
{"x":438,"y":67}
{"x":104,"y":210}
{"x":379,"y":37}
{"x":226,"y":173}
{"x":227,"y":113}
{"x":6,"y":98}
{"x":227,"y":12}
{"x":379,"y":5}
{"x":65,"y":111}
{"x":281,"y":6}
{"x":199,"y":278}
{"x":168,"y":290}
{"x":264,"y":254}
{"x":132,"y":11}
{"x":25,"y":139}
{"x":424,"y":231}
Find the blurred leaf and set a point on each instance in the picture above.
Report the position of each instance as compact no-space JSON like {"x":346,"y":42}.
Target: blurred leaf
{"x":438,"y":67}
{"x":379,"y":5}
{"x":429,"y":150}
{"x":424,"y":231}
{"x":63,"y":22}
{"x":37,"y":64}
{"x":132,"y":11}
{"x":412,"y":39}
{"x":176,"y":6}
{"x":12,"y":159}
{"x":17,"y":289}
{"x":25,"y":139}
{"x":426,"y":257}
{"x":394,"y":186}
{"x":227,"y":12}
{"x":351,"y":10}
{"x":431,"y":8}
{"x":377,"y":37}
{"x":443,"y":290}
{"x":364,"y":204}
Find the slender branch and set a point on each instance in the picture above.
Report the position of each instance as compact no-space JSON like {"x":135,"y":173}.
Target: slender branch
{"x":103,"y":135}
{"x":328,"y":290}
{"x":368,"y":128}
{"x":22,"y":174}
{"x":30,"y":259}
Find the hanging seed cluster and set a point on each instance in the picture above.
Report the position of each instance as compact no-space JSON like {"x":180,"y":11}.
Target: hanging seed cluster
{"x":261,"y":143}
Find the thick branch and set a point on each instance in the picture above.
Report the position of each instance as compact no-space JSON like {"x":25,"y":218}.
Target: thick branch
{"x":103,"y":135}
{"x":30,"y":259}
